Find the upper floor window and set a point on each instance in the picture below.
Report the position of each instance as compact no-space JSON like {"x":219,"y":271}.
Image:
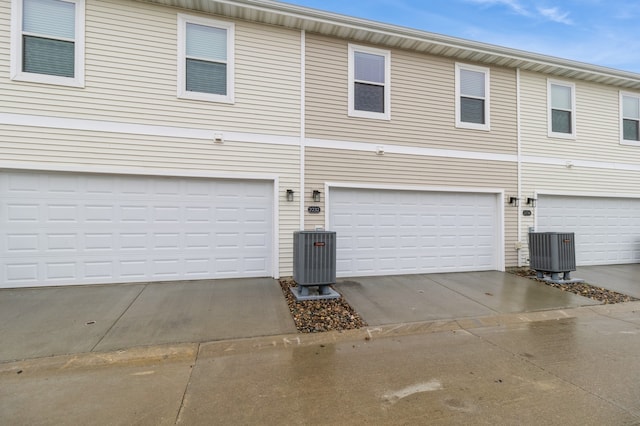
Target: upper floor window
{"x":630,"y":111}
{"x":562,"y":117}
{"x":205,"y":59}
{"x":472,"y":97}
{"x":369,"y":85}
{"x":48,"y":41}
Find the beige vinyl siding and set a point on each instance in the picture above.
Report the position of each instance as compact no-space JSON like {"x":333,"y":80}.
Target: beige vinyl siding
{"x":344,"y":166}
{"x":573,"y":181}
{"x":46,"y":148}
{"x":422,"y":102}
{"x":597,"y":123}
{"x":131,"y":74}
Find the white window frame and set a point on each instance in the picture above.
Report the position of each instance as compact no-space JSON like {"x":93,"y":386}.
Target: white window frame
{"x":352,"y":112}
{"x":550,"y":131}
{"x":624,"y":141}
{"x":16,"y":72}
{"x":183,"y":93}
{"x":487,"y":98}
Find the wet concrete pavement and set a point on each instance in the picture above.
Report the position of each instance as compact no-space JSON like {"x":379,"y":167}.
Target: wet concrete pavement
{"x":410,"y":298}
{"x":50,"y":321}
{"x":624,"y":279}
{"x":571,"y":366}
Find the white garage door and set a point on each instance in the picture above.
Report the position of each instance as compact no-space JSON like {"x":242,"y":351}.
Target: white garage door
{"x":72,"y":228}
{"x":607,"y":230}
{"x":385,"y":232}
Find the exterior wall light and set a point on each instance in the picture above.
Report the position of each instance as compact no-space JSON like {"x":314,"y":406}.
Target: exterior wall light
{"x":514,"y":201}
{"x":316,"y":196}
{"x":289,"y":194}
{"x":531,"y":202}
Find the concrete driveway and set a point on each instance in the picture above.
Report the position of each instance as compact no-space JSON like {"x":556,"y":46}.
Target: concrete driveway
{"x":624,"y":279}
{"x":46,"y":321}
{"x":413,"y":298}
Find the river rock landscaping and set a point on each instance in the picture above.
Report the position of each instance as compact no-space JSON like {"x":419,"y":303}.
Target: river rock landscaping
{"x":313,"y":316}
{"x":582,"y":289}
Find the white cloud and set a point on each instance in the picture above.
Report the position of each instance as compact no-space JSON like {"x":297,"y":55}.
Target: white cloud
{"x":514,"y":5}
{"x":554,"y":14}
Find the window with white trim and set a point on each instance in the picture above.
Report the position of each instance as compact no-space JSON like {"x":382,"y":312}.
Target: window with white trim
{"x":369,"y":82}
{"x":562,"y":112}
{"x":472,"y":97}
{"x":205,"y":59}
{"x":630,"y":114}
{"x":47,"y":43}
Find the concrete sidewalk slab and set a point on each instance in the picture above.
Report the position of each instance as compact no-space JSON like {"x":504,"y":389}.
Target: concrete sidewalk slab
{"x":571,"y":367}
{"x":39,"y":322}
{"x":200,"y":311}
{"x":411,"y":298}
{"x":438,"y":378}
{"x":406,"y":298}
{"x":624,"y":279}
{"x":594,"y":352}
{"x":507,"y":293}
{"x":144,"y":387}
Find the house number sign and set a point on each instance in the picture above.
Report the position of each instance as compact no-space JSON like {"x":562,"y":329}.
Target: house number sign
{"x":314,"y":209}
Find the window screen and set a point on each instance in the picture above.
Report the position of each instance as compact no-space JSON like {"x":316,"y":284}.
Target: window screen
{"x":472,"y":96}
{"x":631,"y":118}
{"x":206,"y":59}
{"x":561,"y":109}
{"x":369,"y":82}
{"x":48,"y":37}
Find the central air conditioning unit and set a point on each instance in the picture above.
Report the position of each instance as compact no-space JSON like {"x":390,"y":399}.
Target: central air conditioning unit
{"x":314,"y":264}
{"x":553,"y":253}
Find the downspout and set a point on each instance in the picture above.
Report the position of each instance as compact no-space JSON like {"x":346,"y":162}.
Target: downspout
{"x":519,"y":143}
{"x":302,"y":123}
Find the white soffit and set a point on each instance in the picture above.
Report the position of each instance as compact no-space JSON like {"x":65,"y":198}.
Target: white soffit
{"x":362,"y":30}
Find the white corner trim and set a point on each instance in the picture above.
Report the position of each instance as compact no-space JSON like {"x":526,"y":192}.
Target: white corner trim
{"x":141,"y":129}
{"x":409,"y":150}
{"x":275,"y":261}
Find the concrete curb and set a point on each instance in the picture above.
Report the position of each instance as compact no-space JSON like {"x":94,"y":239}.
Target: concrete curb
{"x":144,"y":355}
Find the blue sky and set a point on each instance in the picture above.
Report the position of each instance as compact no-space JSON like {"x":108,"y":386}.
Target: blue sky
{"x":601,"y":32}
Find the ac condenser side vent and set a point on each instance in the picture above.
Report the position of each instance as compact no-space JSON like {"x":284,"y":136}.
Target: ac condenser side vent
{"x":314,"y":263}
{"x":553,"y":253}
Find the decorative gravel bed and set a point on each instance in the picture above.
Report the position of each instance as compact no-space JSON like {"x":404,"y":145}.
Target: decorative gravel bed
{"x":313,"y":316}
{"x":582,"y":289}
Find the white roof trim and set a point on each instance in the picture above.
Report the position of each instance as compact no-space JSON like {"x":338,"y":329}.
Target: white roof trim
{"x":381,"y":34}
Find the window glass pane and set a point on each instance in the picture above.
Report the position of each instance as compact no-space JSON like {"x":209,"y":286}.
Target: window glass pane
{"x":46,"y":56}
{"x":206,"y":42}
{"x":472,"y":83}
{"x":369,"y":67}
{"x":560,"y":97}
{"x":630,"y":130}
{"x":53,"y":18}
{"x":206,"y":77}
{"x":560,"y":121}
{"x":472,"y":110}
{"x":369,"y":97}
{"x":630,"y":107}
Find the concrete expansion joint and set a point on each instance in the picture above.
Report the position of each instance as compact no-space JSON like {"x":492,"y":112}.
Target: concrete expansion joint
{"x":186,"y":388}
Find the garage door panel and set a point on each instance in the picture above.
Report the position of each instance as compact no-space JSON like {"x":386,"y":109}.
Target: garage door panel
{"x":72,"y":228}
{"x":386,"y":232}
{"x":607,"y":230}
